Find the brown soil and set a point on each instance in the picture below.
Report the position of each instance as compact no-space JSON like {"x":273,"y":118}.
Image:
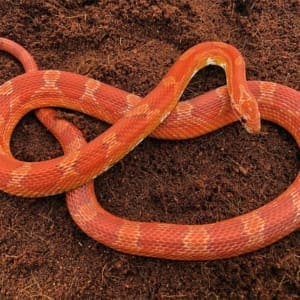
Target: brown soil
{"x":131,"y":44}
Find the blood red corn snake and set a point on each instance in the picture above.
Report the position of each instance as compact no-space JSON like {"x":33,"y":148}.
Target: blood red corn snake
{"x":158,"y":115}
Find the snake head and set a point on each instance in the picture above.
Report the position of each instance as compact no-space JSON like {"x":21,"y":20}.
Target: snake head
{"x":247,"y":111}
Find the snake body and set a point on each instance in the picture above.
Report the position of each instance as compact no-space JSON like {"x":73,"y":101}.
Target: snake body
{"x":134,"y":119}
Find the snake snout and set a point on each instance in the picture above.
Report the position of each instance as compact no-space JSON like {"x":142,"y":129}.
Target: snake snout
{"x":249,"y":117}
{"x":250,"y":114}
{"x":253,"y":126}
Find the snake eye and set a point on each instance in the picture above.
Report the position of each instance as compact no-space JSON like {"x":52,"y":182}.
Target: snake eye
{"x":243,"y":120}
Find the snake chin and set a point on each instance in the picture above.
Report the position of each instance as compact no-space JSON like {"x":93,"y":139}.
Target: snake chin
{"x":251,"y":126}
{"x":251,"y":122}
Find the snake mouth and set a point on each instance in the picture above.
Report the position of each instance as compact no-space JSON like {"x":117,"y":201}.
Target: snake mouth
{"x":250,"y":118}
{"x":252,"y":126}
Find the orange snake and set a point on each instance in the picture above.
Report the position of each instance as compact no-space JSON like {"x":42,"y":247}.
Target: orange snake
{"x":159,"y":115}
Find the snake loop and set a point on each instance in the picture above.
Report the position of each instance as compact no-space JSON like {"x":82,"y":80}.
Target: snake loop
{"x":134,"y":120}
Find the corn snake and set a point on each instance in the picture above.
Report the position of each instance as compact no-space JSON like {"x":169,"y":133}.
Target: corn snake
{"x":227,"y":238}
